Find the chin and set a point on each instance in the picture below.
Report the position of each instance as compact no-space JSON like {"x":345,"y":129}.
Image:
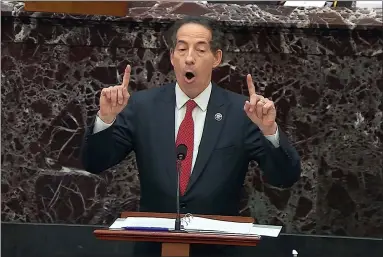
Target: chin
{"x":193,"y":89}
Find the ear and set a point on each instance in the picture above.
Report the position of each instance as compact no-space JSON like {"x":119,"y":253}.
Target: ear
{"x":217,"y":58}
{"x":172,"y":56}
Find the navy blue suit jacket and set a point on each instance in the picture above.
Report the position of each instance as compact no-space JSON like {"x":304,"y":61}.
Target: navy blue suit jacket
{"x":147,"y":127}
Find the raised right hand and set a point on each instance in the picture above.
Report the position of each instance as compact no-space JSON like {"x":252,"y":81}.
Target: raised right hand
{"x":114,"y":99}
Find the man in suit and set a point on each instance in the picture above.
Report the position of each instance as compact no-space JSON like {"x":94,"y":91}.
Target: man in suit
{"x":222,"y":130}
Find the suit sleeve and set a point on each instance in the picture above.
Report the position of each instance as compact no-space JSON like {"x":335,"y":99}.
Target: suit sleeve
{"x":110,"y":146}
{"x":281,"y":166}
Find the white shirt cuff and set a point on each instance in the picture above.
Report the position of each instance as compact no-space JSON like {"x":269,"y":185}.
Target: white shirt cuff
{"x":274,"y":139}
{"x":100,"y":125}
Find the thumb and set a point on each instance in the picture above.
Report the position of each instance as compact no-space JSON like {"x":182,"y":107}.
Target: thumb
{"x":247,"y":107}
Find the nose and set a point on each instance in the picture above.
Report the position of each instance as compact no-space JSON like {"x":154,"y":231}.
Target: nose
{"x":190,"y":60}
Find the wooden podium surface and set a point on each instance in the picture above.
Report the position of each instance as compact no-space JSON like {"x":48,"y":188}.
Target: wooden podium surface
{"x":178,"y":243}
{"x":113,"y":8}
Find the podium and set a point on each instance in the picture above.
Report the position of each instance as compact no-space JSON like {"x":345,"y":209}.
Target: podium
{"x":178,"y":243}
{"x":113,"y":8}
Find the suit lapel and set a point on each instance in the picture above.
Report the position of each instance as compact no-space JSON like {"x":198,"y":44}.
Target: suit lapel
{"x":165,"y":134}
{"x":211,"y":132}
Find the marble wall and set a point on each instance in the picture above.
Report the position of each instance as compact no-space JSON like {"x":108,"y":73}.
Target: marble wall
{"x":326,"y":80}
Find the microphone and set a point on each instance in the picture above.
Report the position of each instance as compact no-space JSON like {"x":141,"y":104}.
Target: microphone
{"x":181,"y":155}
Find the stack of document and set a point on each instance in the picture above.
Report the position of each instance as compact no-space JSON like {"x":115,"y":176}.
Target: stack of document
{"x":369,"y":4}
{"x":196,"y":224}
{"x":305,"y":3}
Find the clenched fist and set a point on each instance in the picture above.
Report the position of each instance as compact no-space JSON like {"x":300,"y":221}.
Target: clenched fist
{"x":114,"y":99}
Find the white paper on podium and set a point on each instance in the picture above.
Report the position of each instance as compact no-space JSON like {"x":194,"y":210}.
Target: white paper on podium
{"x":198,"y":224}
{"x":369,"y":4}
{"x":117,"y":224}
{"x":204,"y":224}
{"x":305,"y":3}
{"x":266,"y":230}
{"x":149,"y":222}
{"x":192,"y":224}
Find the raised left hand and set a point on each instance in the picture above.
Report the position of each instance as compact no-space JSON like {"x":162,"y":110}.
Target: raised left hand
{"x":260,"y":110}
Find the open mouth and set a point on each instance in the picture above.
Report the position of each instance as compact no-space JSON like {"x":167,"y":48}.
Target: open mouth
{"x":189,"y":76}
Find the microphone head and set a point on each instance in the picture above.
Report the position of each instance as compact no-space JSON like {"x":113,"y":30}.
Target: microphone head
{"x":181,"y":152}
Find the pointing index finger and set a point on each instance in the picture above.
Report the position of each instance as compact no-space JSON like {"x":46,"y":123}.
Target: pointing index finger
{"x":250,"y":85}
{"x":125,"y":81}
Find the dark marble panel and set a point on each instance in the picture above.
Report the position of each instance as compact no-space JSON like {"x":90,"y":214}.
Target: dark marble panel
{"x":351,"y":42}
{"x":151,"y":35}
{"x":294,"y":85}
{"x":350,"y":159}
{"x":83,"y":32}
{"x":56,"y":90}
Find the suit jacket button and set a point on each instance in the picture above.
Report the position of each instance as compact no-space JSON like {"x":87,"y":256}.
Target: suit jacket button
{"x":183,"y":205}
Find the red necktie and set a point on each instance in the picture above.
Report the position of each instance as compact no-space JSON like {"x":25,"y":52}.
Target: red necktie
{"x":186,"y":136}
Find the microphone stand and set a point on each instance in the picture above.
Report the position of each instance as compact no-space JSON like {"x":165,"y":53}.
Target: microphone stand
{"x":177,"y":226}
{"x":181,"y":154}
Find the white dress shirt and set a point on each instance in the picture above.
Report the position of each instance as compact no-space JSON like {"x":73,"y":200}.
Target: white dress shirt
{"x":199,"y":115}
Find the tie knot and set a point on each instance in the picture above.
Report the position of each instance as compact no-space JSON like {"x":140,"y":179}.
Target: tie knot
{"x":190,"y":105}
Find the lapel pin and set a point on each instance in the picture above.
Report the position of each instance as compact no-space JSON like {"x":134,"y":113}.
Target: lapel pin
{"x":218,"y":116}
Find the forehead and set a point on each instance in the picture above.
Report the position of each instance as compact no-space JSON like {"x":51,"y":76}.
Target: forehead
{"x":193,"y":33}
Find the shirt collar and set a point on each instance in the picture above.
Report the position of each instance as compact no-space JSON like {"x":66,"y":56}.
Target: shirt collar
{"x":201,"y":100}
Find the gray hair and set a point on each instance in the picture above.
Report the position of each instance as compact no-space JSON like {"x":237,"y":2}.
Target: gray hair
{"x":217,"y":39}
